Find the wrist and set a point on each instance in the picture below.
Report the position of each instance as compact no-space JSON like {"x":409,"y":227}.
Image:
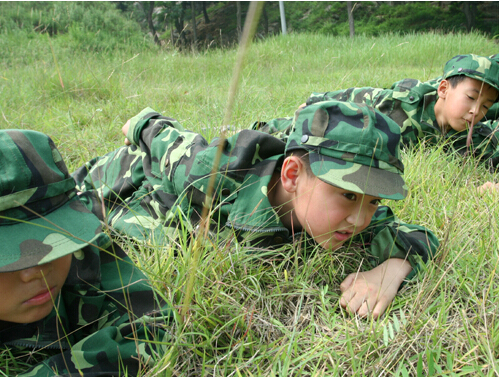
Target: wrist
{"x":398,"y":268}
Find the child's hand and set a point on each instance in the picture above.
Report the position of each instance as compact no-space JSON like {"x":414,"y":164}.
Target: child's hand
{"x":488,"y":187}
{"x":371,"y":292}
{"x":125,"y":131}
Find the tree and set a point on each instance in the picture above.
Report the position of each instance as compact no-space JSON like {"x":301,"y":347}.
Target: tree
{"x":470,"y":10}
{"x":238,"y":19}
{"x":193,"y":20}
{"x":174,"y":13}
{"x":265,"y":20}
{"x":148,"y":8}
{"x":351,"y":18}
{"x":205,"y":14}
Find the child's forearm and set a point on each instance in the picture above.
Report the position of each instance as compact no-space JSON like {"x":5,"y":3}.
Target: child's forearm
{"x":397,"y":268}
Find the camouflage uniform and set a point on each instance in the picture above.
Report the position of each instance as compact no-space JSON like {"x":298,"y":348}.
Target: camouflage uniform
{"x":159,"y":184}
{"x":410,"y":103}
{"x":106,"y":312}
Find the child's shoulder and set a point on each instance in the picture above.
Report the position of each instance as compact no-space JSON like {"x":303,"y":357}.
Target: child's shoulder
{"x":411,"y":90}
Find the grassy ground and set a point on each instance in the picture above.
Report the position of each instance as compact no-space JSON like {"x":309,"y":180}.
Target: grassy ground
{"x":279,"y":314}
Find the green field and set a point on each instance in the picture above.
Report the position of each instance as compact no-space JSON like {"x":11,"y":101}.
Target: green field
{"x":278,"y":314}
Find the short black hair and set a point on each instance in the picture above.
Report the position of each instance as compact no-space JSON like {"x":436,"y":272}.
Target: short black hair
{"x":455,"y":80}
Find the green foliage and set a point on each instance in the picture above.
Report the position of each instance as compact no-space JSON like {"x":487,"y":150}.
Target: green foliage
{"x":376,"y":18}
{"x":81,"y":26}
{"x":107,"y":26}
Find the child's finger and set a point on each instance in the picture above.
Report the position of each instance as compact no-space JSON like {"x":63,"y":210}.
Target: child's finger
{"x":364,"y":309}
{"x":347,"y":282}
{"x":380,"y":307}
{"x":352,"y":303}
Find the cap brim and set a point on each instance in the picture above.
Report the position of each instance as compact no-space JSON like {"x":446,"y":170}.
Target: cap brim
{"x":358,"y":178}
{"x":63,"y":231}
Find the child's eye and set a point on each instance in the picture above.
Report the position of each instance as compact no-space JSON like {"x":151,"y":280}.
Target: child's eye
{"x":350,"y":196}
{"x":376,"y":202}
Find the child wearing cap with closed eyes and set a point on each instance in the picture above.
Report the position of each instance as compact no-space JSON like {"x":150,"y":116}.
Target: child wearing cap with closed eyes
{"x":65,"y":287}
{"x":324,"y":181}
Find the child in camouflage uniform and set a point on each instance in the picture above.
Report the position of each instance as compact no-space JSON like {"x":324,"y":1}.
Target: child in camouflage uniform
{"x":325,"y":181}
{"x":66,"y":290}
{"x":444,"y":108}
{"x":437,"y":109}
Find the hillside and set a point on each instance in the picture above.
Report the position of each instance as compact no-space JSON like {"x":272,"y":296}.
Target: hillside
{"x":371,"y":18}
{"x":107,"y":26}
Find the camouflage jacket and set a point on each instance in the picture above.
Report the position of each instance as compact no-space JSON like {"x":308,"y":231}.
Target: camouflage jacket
{"x":102,"y":322}
{"x":159,"y":184}
{"x":410,"y":103}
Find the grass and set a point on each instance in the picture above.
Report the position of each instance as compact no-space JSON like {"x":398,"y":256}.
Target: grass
{"x":278,"y":313}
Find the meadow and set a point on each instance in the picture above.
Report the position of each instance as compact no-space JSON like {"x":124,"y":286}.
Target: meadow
{"x":278,"y":314}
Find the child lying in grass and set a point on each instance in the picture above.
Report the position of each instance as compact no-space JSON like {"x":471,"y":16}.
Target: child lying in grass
{"x":325,"y":183}
{"x":66,"y":289}
{"x":448,"y":108}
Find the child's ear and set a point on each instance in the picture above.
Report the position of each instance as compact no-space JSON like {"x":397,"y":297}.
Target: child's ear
{"x":443,"y":87}
{"x":290,"y":171}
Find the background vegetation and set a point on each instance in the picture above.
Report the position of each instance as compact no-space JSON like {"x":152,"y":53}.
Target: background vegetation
{"x":276,"y":313}
{"x":104,"y":26}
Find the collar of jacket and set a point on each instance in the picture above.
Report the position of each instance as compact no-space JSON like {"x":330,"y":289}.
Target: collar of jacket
{"x":427,"y":122}
{"x":252,"y":211}
{"x":39,"y":334}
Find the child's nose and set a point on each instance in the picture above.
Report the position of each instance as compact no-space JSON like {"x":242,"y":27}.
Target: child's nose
{"x":474,"y":111}
{"x":36,"y":272}
{"x":356,"y":217}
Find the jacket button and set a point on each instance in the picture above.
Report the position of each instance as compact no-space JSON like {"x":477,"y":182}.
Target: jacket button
{"x":304,"y":138}
{"x":166,"y":162}
{"x":412,"y":98}
{"x":225,"y":192}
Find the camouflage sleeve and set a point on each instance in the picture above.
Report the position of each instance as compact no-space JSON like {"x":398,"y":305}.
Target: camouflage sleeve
{"x":113,"y":325}
{"x":279,"y":127}
{"x":387,"y":237}
{"x":366,"y":95}
{"x":154,"y":122}
{"x":133,"y":188}
{"x":108,"y":184}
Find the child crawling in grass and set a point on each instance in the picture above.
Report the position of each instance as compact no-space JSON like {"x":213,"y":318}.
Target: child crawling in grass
{"x":324,"y":184}
{"x":70,"y":297}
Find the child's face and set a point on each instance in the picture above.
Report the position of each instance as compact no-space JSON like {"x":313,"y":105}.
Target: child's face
{"x":27,"y":296}
{"x":332,"y":215}
{"x":465,"y":104}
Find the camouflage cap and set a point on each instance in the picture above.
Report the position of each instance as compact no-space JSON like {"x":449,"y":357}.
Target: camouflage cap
{"x":41,"y":217}
{"x":351,"y":146}
{"x":482,"y":68}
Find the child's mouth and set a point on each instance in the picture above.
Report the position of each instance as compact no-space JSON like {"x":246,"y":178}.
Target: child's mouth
{"x":42,"y":297}
{"x":342,"y":235}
